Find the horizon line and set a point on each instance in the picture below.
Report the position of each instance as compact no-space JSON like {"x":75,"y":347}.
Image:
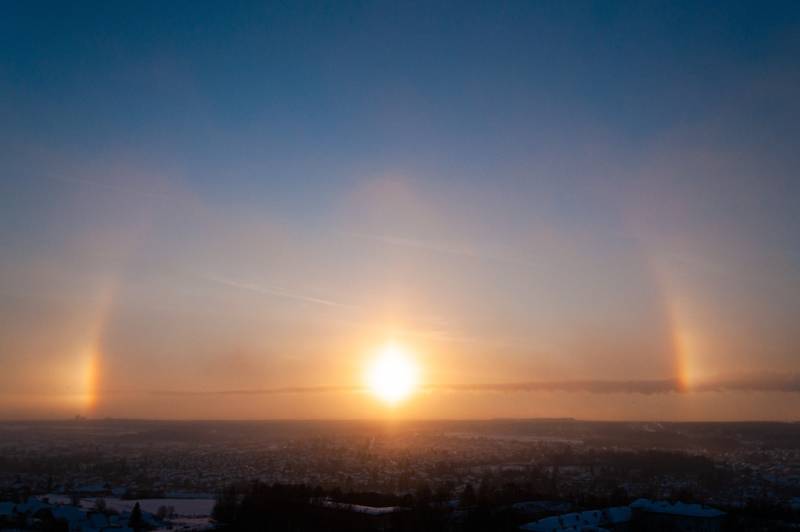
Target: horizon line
{"x":388,"y":419}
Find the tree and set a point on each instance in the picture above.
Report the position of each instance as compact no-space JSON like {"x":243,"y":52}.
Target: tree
{"x":468,"y":498}
{"x":484,"y":493}
{"x":423,"y":495}
{"x":136,"y":520}
{"x":442,"y":493}
{"x":226,"y":506}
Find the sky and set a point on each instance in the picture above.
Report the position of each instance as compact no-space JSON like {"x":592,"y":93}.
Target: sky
{"x":554,"y":209}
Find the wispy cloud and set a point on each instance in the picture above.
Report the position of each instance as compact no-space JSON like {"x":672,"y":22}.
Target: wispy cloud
{"x":428,"y":328}
{"x":108,"y":186}
{"x":276,"y":292}
{"x":647,"y":387}
{"x":259,"y":391}
{"x":413,"y":243}
{"x":436,"y":247}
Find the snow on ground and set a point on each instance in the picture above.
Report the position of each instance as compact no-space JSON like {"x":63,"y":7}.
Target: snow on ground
{"x":182,"y":507}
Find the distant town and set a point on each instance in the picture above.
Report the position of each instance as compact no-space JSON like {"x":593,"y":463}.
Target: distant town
{"x":560,"y":474}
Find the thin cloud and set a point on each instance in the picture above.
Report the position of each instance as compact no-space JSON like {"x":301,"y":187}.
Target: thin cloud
{"x":772,"y":383}
{"x":108,"y":186}
{"x":413,"y":243}
{"x":755,"y":383}
{"x":436,"y":247}
{"x":270,"y":291}
{"x":646,"y":387}
{"x":259,"y":391}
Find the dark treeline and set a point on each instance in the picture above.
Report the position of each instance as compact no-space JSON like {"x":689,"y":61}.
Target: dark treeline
{"x":297,"y":508}
{"x":489,"y":506}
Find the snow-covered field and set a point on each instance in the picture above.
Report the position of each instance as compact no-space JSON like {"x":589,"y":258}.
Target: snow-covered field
{"x":182,"y":507}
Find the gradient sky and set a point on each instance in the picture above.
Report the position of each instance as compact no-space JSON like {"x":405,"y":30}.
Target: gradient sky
{"x":586,"y":209}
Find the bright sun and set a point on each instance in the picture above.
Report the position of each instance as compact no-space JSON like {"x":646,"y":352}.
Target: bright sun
{"x":392,"y":376}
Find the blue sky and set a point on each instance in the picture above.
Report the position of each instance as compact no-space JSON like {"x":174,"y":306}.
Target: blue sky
{"x":525,"y":191}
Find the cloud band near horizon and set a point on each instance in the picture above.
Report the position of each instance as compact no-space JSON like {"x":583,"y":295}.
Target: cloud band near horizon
{"x":771,"y":383}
